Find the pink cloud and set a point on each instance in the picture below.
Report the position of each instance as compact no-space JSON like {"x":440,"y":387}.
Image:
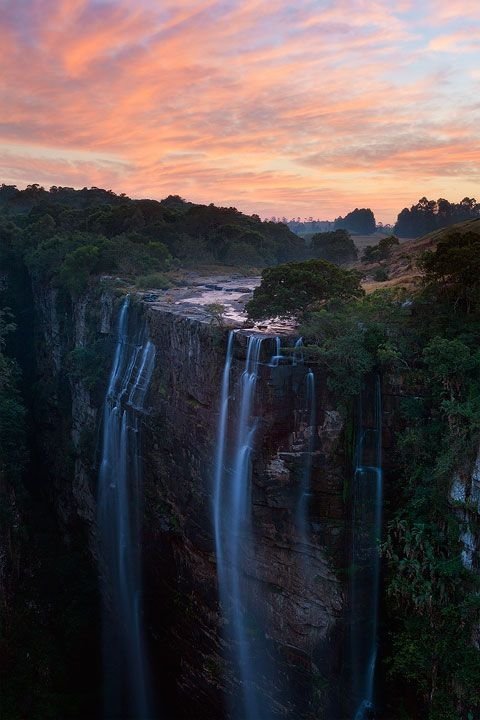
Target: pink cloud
{"x":446,"y":11}
{"x":466,"y":40}
{"x":265,"y":105}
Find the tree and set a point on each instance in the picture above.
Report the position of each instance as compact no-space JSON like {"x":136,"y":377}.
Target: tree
{"x":429,"y":215}
{"x":360,"y":221}
{"x":216,"y":312}
{"x":452,"y":270}
{"x":291,"y":288}
{"x":336,"y":247}
{"x":381,"y":251}
{"x":76,"y":268}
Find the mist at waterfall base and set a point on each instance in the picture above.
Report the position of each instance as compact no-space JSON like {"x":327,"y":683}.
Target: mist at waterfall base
{"x":253,"y":660}
{"x":126,"y":675}
{"x":365,"y":555}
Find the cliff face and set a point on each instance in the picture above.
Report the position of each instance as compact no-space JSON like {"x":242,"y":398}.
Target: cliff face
{"x":297,"y":584}
{"x":49,"y":616}
{"x":69,"y":421}
{"x":300,"y":586}
{"x":465,"y":498}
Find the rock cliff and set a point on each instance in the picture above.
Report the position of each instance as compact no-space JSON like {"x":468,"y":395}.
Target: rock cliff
{"x":302,"y":608}
{"x":301,"y":586}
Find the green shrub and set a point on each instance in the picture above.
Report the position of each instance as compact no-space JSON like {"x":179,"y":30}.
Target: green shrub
{"x":291,"y":288}
{"x":381,"y":275}
{"x":336,"y":247}
{"x":154,"y":281}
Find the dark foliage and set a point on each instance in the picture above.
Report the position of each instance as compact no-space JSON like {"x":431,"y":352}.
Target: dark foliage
{"x":429,"y":215}
{"x":360,"y":221}
{"x":336,"y":247}
{"x":452,"y":270}
{"x":381,"y":251}
{"x":292,"y":288}
{"x":94,"y":231}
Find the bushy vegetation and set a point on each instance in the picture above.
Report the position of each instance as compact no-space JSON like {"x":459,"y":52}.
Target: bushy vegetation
{"x":381,"y":251}
{"x":381,"y":275}
{"x":452,"y":270}
{"x":157,"y":281}
{"x":336,"y":247}
{"x":292,"y":288}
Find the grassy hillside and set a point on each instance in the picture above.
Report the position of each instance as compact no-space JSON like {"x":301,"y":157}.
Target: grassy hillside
{"x":402,"y":265}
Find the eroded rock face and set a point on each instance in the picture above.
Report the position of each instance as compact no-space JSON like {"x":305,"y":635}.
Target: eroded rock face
{"x":300,"y":586}
{"x":297,"y":585}
{"x":70,"y":419}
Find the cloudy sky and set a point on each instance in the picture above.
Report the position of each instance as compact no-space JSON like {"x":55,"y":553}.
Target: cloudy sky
{"x":303,"y":108}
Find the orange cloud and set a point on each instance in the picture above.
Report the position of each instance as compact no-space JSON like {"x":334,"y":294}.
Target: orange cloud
{"x":276,"y":107}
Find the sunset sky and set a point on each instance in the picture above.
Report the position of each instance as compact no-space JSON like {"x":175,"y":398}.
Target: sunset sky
{"x":302,"y":107}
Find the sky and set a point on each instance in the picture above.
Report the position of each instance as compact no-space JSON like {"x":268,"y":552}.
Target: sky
{"x":304,"y":108}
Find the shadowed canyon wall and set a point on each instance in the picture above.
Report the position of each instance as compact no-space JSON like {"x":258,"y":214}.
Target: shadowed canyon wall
{"x":301,"y":586}
{"x":301,"y":613}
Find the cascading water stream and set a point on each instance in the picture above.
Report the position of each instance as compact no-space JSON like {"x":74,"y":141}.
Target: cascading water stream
{"x":304,"y":492}
{"x":366,"y":529}
{"x":119,"y":492}
{"x":232,"y":519}
{"x":275,"y":361}
{"x":298,"y":351}
{"x":220,"y":454}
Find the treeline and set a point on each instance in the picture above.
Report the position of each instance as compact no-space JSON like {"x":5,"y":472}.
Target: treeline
{"x":420,"y":219}
{"x":65,"y":236}
{"x":306,"y":228}
{"x":429,"y":215}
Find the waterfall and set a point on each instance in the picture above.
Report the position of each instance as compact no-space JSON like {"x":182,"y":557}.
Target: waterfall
{"x":366,"y":535}
{"x":275,"y":361}
{"x":221,"y":449}
{"x":232,"y":519}
{"x":304,"y":492}
{"x":119,"y":492}
{"x":298,"y":351}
